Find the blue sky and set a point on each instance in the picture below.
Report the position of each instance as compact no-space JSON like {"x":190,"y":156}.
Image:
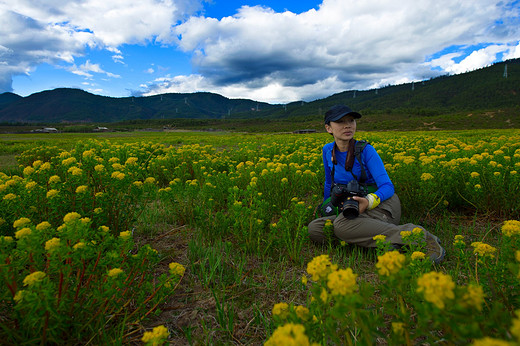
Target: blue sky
{"x":272,"y":51}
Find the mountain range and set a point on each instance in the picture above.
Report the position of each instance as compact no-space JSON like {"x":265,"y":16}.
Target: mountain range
{"x":490,"y":88}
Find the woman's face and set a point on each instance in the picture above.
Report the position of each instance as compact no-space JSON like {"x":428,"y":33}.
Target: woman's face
{"x":343,"y":129}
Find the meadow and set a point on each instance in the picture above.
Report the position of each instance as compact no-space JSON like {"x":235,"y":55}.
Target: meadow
{"x":201,"y":238}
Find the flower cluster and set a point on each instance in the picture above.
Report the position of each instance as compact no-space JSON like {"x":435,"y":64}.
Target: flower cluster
{"x":320,"y":267}
{"x":287,"y":335}
{"x":436,"y":287}
{"x":342,"y":282}
{"x":390,"y":263}
{"x":177,"y":269}
{"x":511,"y":228}
{"x":483,"y":250}
{"x":156,"y":337}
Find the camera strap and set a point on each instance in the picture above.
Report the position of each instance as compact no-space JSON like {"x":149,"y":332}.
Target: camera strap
{"x":354,"y":150}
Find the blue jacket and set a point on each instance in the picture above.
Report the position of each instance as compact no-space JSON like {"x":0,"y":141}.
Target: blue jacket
{"x":374,"y":168}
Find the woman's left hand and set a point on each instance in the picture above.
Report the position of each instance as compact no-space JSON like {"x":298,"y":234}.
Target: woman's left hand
{"x":363,"y":203}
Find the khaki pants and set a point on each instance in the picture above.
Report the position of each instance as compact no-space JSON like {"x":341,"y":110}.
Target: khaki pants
{"x":384,"y":219}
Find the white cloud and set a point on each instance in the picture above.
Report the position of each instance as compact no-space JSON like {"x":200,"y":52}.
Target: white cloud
{"x":259,"y":53}
{"x":57,"y":31}
{"x":88,"y":68}
{"x":356,"y":44}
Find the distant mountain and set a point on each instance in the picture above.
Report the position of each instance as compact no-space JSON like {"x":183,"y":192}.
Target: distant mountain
{"x":487,"y":88}
{"x":74,"y":105}
{"x":8,"y":98}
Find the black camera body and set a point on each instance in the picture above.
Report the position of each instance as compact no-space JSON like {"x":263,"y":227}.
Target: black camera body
{"x":341,"y":197}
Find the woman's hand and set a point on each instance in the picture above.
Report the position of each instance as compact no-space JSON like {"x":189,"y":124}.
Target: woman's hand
{"x":363,"y":203}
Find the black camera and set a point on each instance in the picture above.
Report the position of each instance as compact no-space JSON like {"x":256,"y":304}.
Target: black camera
{"x":341,"y":197}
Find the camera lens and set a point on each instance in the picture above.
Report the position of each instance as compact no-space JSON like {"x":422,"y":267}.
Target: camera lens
{"x":350,"y":208}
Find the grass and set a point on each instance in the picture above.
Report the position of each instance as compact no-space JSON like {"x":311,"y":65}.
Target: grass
{"x":227,"y":295}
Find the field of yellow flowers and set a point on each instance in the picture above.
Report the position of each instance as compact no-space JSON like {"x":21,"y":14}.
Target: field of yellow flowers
{"x":200,"y":238}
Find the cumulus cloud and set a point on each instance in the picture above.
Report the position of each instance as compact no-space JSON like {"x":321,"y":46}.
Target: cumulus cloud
{"x":88,"y":68}
{"x":343,"y":44}
{"x":259,"y":53}
{"x":58,"y":31}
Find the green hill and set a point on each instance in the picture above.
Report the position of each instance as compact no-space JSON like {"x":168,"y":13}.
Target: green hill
{"x":483,"y":90}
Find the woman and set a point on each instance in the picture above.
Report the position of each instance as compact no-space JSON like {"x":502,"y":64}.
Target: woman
{"x":365,"y":215}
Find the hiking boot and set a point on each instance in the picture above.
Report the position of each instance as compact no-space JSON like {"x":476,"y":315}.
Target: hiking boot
{"x":434,"y":249}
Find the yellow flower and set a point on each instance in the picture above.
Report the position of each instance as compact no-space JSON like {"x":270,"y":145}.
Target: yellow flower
{"x":305,"y":280}
{"x":54,"y":179}
{"x":342,"y":282}
{"x":405,"y":234}
{"x":24,"y":232}
{"x":426,"y":176}
{"x":281,"y":310}
{"x":138,"y":183}
{"x":115,"y":272}
{"x":474,"y":174}
{"x":98,"y":210}
{"x":88,"y":153}
{"x":302,"y":312}
{"x":478,"y":186}
{"x":104,"y":229}
{"x":324,"y":295}
{"x":28,"y":170}
{"x":417,"y":231}
{"x":474,"y":297}
{"x":52,"y":244}
{"x":487,"y":341}
{"x":99,"y":168}
{"x":18,"y":296}
{"x":459,"y":240}
{"x":515,"y":327}
{"x":436,"y":287}
{"x":284,"y":181}
{"x":69,"y":161}
{"x":30,"y":185}
{"x":21,"y":222}
{"x":418,"y":255}
{"x":118,"y":175}
{"x":390,"y":263}
{"x":9,"y":239}
{"x":289,"y":334}
{"x":320,"y":267}
{"x":81,"y":189}
{"x":51,"y":193}
{"x":156,"y":337}
{"x":125,"y":235}
{"x":131,"y":160}
{"x":398,"y":328}
{"x":33,"y":278}
{"x":70,"y":217}
{"x":176,"y":269}
{"x":149,"y":180}
{"x":117,"y":166}
{"x":483,"y":249}
{"x":511,"y":227}
{"x":9,"y":197}
{"x":79,"y":245}
{"x":379,"y":237}
{"x":85,"y":220}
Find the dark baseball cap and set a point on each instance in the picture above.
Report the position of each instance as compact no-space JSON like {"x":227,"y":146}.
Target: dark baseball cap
{"x":339,"y":111}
